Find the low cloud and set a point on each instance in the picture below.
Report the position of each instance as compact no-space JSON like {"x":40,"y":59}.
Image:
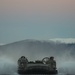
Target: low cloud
{"x":2,"y":44}
{"x":63,"y":40}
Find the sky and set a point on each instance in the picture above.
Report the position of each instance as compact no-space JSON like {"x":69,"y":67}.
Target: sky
{"x":36,"y":19}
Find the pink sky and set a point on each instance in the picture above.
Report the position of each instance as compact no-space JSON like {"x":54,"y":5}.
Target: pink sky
{"x":43,"y":19}
{"x":44,"y":6}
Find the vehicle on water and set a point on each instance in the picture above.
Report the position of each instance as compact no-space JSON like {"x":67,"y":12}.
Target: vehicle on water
{"x":36,"y":67}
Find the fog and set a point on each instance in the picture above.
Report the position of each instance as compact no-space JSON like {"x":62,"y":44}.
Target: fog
{"x":36,"y":50}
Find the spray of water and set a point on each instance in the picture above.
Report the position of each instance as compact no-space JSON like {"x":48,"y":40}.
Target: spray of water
{"x":67,"y":67}
{"x":33,"y":50}
{"x":7,"y":66}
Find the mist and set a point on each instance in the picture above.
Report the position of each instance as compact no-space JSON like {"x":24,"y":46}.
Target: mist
{"x":36,"y":50}
{"x":7,"y":66}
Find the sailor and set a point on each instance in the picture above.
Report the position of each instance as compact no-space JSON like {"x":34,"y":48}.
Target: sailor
{"x":22,"y":60}
{"x":51,"y":62}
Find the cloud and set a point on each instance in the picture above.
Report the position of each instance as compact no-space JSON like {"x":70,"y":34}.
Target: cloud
{"x":63,"y":40}
{"x":1,"y":44}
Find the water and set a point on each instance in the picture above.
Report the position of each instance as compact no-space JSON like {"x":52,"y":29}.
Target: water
{"x":9,"y":67}
{"x":64,"y":56}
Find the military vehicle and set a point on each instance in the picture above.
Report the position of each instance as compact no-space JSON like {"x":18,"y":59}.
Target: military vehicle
{"x":36,"y":67}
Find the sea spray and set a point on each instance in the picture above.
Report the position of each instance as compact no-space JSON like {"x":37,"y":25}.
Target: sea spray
{"x":7,"y":66}
{"x":34,"y":50}
{"x":67,"y":67}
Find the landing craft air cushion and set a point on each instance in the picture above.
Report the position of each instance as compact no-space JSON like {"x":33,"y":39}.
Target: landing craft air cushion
{"x":37,"y":67}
